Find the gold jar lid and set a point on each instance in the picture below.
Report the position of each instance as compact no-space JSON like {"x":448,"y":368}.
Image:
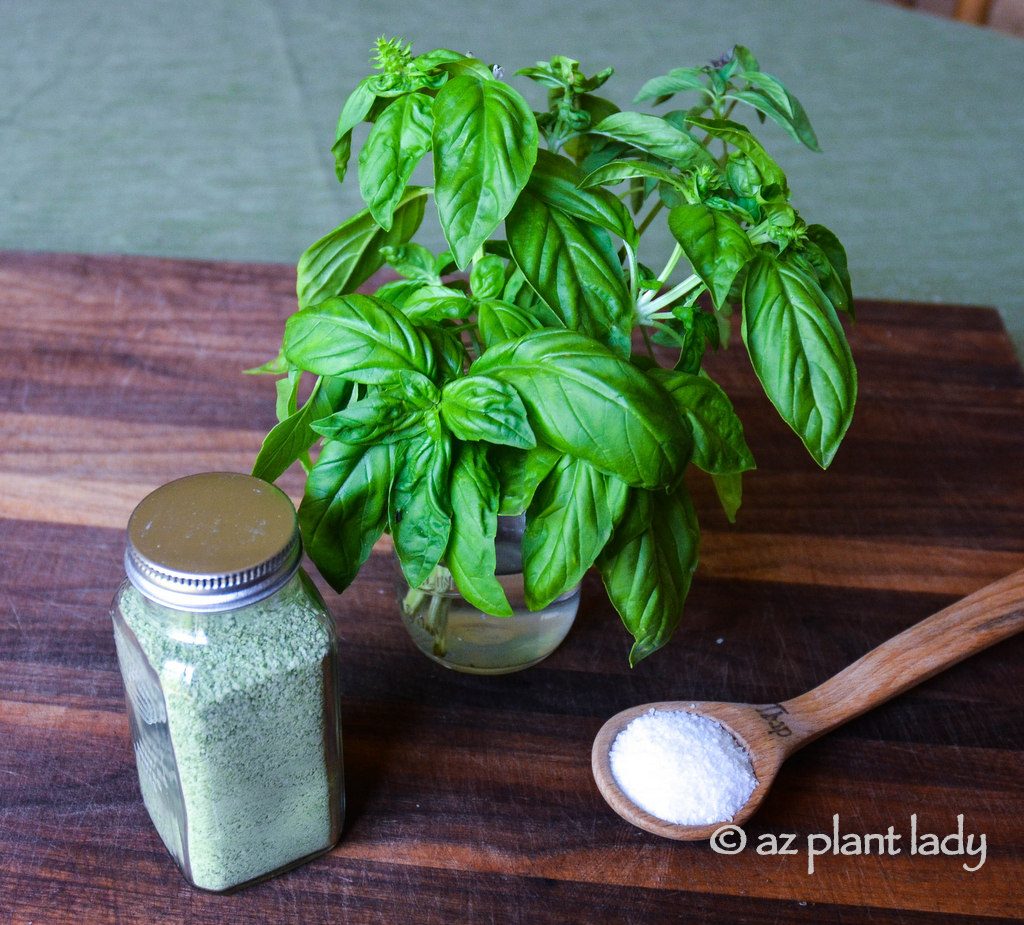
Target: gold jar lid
{"x":212,"y":541}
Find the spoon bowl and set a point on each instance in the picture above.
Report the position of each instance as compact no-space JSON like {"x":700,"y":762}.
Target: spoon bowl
{"x":746,"y":723}
{"x":770,"y":733}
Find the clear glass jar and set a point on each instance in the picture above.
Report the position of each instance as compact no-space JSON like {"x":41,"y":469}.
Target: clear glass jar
{"x":229,"y":661}
{"x":458,"y":635}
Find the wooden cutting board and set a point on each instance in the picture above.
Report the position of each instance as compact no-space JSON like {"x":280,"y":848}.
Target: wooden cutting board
{"x":470,"y":799}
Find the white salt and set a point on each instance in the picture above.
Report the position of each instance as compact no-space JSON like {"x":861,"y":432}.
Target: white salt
{"x":682,"y":767}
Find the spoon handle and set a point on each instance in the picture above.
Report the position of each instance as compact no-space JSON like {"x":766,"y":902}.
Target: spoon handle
{"x":978,"y":621}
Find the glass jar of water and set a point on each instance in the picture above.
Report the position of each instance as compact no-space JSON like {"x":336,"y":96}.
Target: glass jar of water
{"x":458,"y":635}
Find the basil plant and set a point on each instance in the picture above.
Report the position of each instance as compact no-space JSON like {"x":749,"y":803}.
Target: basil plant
{"x":515,"y":373}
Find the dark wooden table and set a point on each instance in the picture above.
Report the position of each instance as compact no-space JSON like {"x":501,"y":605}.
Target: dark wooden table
{"x":470,"y":799}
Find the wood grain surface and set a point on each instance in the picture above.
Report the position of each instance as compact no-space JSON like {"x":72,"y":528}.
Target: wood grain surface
{"x":471,"y":799}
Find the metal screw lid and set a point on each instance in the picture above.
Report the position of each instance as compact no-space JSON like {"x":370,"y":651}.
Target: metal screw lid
{"x":212,"y":541}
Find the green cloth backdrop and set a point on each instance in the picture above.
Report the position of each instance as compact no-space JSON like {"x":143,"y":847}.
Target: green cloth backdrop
{"x":201,"y":128}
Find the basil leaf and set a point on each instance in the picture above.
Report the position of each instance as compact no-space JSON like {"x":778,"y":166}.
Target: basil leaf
{"x":420,"y":512}
{"x":718,"y":442}
{"x":480,"y":408}
{"x":542,"y":74}
{"x":800,"y":354}
{"x":655,"y":136}
{"x":413,"y":261}
{"x":520,"y":293}
{"x":743,"y":176}
{"x":294,"y":435}
{"x":516,"y":286}
{"x":573,"y":267}
{"x":717,"y":246}
{"x":739,"y":136}
{"x":729,"y":488}
{"x":564,"y":73}
{"x":649,"y":564}
{"x":445,"y":263}
{"x":357,"y":337}
{"x":496,"y":247}
{"x":675,"y":81}
{"x":584,"y":400}
{"x":699,"y":329}
{"x":598,"y":108}
{"x":836,"y":254}
{"x":487,"y":278}
{"x":590,"y":103}
{"x":570,"y":520}
{"x":427,"y":302}
{"x":438,"y":57}
{"x":617,"y":171}
{"x":449,"y":350}
{"x":810,"y":259}
{"x":344,"y":259}
{"x":557,"y":181}
{"x":382,"y":417}
{"x":741,"y":212}
{"x":356,"y":108}
{"x":275,"y":367}
{"x":471,"y":556}
{"x":500,"y":321}
{"x":398,"y":140}
{"x":397,"y":291}
{"x":389,"y":86}
{"x":472,"y":68}
{"x":601,"y":151}
{"x":344,"y":508}
{"x":287,"y":393}
{"x":742,"y":56}
{"x":771,"y":98}
{"x":519,"y":472}
{"x":485,"y":145}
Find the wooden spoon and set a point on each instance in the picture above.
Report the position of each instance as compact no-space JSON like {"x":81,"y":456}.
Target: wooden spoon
{"x":772,"y":732}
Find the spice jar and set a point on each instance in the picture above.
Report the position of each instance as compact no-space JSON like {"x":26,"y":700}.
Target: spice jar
{"x":229,"y":661}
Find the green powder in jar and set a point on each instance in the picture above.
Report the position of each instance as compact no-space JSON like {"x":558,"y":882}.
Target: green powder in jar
{"x":240,"y":724}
